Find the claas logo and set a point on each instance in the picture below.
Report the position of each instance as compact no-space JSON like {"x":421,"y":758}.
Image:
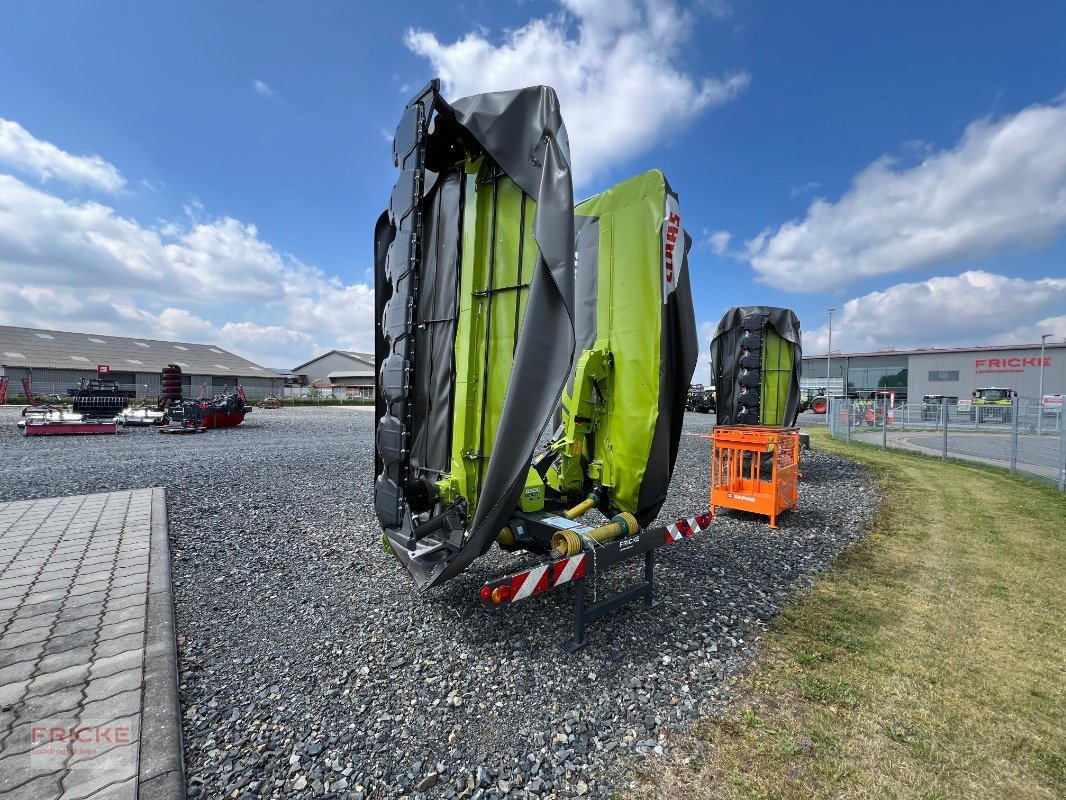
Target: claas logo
{"x":673,"y":227}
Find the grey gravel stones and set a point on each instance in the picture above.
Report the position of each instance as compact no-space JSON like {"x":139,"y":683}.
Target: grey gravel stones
{"x":311,"y":668}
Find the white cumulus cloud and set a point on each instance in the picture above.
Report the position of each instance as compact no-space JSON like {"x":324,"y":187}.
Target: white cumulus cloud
{"x":1002,"y":184}
{"x":23,"y":152}
{"x":614,"y":65}
{"x":717,"y":241}
{"x":973,"y":308}
{"x":82,"y":266}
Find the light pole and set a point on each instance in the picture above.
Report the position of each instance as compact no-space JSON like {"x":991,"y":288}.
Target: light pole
{"x":1040,"y":391}
{"x":828,"y":358}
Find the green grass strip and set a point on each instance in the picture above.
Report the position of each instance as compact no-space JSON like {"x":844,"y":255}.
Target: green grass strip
{"x":929,"y":662}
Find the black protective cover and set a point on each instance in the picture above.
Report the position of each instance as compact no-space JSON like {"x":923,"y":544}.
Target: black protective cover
{"x":417,"y":263}
{"x":726,"y":361}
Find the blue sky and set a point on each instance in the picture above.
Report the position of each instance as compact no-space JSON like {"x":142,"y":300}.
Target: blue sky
{"x":212,"y":172}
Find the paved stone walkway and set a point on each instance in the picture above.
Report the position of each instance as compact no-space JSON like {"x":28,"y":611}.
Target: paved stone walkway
{"x":88,"y":686}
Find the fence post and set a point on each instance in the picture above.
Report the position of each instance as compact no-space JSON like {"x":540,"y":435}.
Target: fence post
{"x":944,"y":423}
{"x":1062,"y":459}
{"x":1014,"y":437}
{"x":848,"y":421}
{"x":884,"y":422}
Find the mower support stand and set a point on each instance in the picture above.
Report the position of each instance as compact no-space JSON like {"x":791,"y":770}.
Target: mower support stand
{"x":585,"y":614}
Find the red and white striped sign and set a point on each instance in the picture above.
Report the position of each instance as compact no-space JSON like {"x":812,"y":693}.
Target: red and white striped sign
{"x":687,"y":527}
{"x":564,"y":570}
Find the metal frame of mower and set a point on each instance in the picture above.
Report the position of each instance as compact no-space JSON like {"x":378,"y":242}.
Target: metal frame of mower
{"x":587,"y":566}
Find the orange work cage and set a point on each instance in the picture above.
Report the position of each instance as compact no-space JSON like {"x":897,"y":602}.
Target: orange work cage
{"x":755,"y":468}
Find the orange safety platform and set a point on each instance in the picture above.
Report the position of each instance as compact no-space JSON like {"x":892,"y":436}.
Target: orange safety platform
{"x":755,"y":468}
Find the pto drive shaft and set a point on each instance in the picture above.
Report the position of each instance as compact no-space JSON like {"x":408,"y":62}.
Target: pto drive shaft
{"x":567,"y":543}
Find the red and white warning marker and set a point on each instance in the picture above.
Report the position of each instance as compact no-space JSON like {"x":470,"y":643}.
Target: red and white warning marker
{"x":547,"y":576}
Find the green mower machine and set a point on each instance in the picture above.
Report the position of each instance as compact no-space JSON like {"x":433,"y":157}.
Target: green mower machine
{"x":534,"y":355}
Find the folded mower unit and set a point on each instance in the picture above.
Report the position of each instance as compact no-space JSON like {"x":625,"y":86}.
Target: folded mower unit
{"x":505,"y":311}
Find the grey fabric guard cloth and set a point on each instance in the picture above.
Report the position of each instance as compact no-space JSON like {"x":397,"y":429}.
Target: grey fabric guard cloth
{"x":724,"y":357}
{"x":521,"y":131}
{"x":435,"y":318}
{"x":678,"y":338}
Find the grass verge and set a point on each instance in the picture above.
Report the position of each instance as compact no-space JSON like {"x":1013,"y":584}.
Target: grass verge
{"x":929,"y":662}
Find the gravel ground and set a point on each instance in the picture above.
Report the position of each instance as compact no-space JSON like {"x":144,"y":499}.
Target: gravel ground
{"x":310,"y":668}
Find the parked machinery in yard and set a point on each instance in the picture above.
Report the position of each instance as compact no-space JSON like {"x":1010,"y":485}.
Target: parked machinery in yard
{"x":700,"y":399}
{"x":992,"y":404}
{"x":503,"y":308}
{"x":757,"y":356}
{"x":932,"y":406}
{"x":55,"y":419}
{"x":100,"y":398}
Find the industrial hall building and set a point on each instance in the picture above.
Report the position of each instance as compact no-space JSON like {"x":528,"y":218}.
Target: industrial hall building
{"x":342,"y":373}
{"x":57,"y":361}
{"x":945,"y":372}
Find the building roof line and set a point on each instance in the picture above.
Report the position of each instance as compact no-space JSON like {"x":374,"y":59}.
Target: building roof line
{"x":365,"y":358}
{"x":934,"y":350}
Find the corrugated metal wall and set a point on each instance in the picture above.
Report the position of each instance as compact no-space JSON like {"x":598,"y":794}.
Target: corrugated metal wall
{"x":61,"y":381}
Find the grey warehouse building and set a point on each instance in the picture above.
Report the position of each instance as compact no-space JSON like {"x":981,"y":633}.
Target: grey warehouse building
{"x":350,"y":373}
{"x":55,"y":362}
{"x":954,"y":372}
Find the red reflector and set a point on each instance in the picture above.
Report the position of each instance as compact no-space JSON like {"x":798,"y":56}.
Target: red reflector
{"x":485,"y":594}
{"x":683,"y":527}
{"x":501,"y":594}
{"x":703,"y":520}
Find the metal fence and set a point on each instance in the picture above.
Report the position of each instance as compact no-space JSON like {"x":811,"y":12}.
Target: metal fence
{"x":1021,"y":437}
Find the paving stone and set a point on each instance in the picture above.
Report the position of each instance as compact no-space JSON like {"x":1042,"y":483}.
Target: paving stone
{"x":11,"y":593}
{"x":20,"y":740}
{"x":72,"y":641}
{"x":124,"y":704}
{"x":109,"y":665}
{"x":123,"y":791}
{"x":108,"y":686}
{"x":131,"y":641}
{"x":74,"y":598}
{"x":113,"y":631}
{"x":53,"y":662}
{"x":89,"y":622}
{"x":30,"y":610}
{"x":72,"y":677}
{"x":42,"y":621}
{"x":50,"y":582}
{"x":11,"y":693}
{"x":16,"y":672}
{"x":91,"y":775}
{"x":19,"y":770}
{"x":80,"y":588}
{"x":40,"y":708}
{"x":45,"y":787}
{"x":131,"y":600}
{"x":97,"y":739}
{"x":11,"y":641}
{"x":27,"y":652}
